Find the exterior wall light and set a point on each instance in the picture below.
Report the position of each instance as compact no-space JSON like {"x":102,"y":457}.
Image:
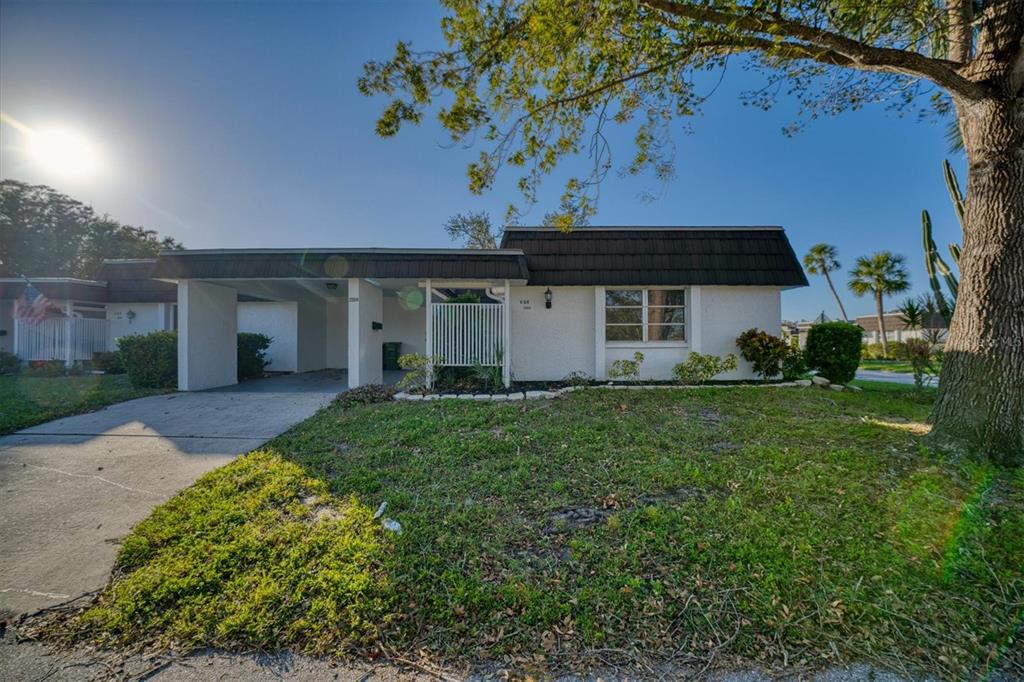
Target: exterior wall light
{"x":130,"y":315}
{"x":547,"y":298}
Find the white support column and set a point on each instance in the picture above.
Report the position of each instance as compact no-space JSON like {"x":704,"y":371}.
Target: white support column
{"x":599,"y":369}
{"x":696,"y":312}
{"x":506,"y":336}
{"x":69,"y":308}
{"x":428,"y":304}
{"x":365,"y":307}
{"x":207,"y":335}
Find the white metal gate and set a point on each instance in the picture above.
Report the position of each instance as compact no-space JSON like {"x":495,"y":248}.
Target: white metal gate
{"x":465,"y":334}
{"x":69,"y":339}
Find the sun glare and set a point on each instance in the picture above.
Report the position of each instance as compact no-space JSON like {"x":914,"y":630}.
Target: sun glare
{"x":64,"y":152}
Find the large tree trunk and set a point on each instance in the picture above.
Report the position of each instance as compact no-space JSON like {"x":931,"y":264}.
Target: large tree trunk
{"x":880,"y":313}
{"x":841,"y":308}
{"x":980,"y":407}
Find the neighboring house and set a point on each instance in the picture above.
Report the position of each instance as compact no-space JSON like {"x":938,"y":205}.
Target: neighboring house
{"x":897,"y":330}
{"x":798,"y":330}
{"x":552,"y":303}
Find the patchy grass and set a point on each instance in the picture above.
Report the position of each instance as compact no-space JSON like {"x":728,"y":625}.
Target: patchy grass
{"x":698,"y":527}
{"x":25,"y":401}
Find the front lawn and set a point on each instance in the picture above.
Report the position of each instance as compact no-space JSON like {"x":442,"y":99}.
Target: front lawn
{"x":25,"y":401}
{"x":708,"y":527}
{"x":891,"y":366}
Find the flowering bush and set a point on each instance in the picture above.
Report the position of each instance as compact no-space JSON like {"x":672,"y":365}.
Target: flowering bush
{"x":762,"y":350}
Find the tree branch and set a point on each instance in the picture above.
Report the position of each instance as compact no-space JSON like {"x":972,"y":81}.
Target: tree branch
{"x":961,"y":35}
{"x":860,"y":55}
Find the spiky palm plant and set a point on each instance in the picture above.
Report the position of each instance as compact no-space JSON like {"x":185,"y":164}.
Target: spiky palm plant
{"x":882,"y":273}
{"x":822,"y":259}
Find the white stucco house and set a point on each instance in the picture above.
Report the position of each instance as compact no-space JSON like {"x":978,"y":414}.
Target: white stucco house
{"x":552,"y":303}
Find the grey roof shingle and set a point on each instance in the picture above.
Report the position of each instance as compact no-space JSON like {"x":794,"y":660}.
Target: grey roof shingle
{"x":341,"y":263}
{"x":658,"y":255}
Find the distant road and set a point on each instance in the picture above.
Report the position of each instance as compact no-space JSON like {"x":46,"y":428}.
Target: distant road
{"x":893,"y":377}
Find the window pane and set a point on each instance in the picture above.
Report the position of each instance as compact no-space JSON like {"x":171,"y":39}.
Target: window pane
{"x":624,"y":315}
{"x":632,"y":332}
{"x":623,"y":297}
{"x":666,"y":332}
{"x":666,"y":297}
{"x":666,"y":315}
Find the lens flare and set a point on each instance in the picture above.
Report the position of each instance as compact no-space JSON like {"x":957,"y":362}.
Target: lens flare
{"x":64,"y":152}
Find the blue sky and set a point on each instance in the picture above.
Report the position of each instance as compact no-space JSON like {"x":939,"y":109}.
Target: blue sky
{"x":239,"y":125}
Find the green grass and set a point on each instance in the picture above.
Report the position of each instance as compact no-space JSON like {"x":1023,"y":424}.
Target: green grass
{"x":891,"y":366}
{"x":25,"y":401}
{"x":740,"y":526}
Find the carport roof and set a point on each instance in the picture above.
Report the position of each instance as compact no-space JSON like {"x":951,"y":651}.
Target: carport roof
{"x":469,"y":264}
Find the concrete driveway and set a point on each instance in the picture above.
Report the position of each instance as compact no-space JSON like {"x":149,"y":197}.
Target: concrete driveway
{"x":72,"y":488}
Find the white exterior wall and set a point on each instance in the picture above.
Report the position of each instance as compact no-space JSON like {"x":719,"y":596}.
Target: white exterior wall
{"x":549,"y":343}
{"x":279,"y":321}
{"x":149,"y":317}
{"x":406,"y":326}
{"x":726,"y":312}
{"x":336,"y":319}
{"x":207,"y":335}
{"x":365,"y":306}
{"x":312,"y":340}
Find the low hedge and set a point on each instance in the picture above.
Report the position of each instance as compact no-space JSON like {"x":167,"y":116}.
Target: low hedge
{"x":109,"y":362}
{"x":833,"y":349}
{"x":151,"y":360}
{"x":252,"y":354}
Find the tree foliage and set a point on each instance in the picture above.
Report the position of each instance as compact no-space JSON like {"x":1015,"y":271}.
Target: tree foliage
{"x":473,"y":230}
{"x":540,"y":80}
{"x":46,"y":233}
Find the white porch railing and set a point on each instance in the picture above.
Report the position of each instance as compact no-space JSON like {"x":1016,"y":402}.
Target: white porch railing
{"x":69,"y":339}
{"x":465,"y":334}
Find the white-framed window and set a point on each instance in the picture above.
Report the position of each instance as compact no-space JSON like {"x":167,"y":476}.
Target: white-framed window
{"x":645,"y":315}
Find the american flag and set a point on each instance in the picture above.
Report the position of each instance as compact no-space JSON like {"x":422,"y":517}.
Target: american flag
{"x":32,"y":305}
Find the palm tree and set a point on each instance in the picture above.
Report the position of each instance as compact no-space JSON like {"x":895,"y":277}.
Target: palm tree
{"x":912,"y":313}
{"x":880,"y":274}
{"x":822,"y":259}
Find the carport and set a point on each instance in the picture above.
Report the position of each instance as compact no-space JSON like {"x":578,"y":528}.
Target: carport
{"x":334,"y":308}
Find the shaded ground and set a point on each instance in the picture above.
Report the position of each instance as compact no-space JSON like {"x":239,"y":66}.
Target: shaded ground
{"x":73,"y":488}
{"x":25,"y":401}
{"x":710,"y":528}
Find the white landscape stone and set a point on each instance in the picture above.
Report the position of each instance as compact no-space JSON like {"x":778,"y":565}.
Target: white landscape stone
{"x":499,"y":397}
{"x":483,"y":396}
{"x":516,"y":396}
{"x":855,"y":389}
{"x":802,"y":382}
{"x":820,"y":381}
{"x":837,"y":387}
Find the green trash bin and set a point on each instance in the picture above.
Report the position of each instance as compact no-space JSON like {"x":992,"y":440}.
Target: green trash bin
{"x":392,"y":351}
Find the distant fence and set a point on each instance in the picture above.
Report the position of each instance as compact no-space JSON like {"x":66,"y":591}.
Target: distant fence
{"x":465,"y":334}
{"x":68,"y":339}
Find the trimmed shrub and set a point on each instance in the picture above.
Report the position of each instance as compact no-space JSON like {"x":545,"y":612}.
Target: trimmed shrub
{"x":9,"y":363}
{"x":762,"y":350}
{"x":833,"y":349}
{"x":151,"y":360}
{"x":699,"y":369}
{"x":108,"y":361}
{"x":252,"y":354}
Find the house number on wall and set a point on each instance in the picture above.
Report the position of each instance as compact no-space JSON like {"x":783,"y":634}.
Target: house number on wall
{"x":525,"y":302}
